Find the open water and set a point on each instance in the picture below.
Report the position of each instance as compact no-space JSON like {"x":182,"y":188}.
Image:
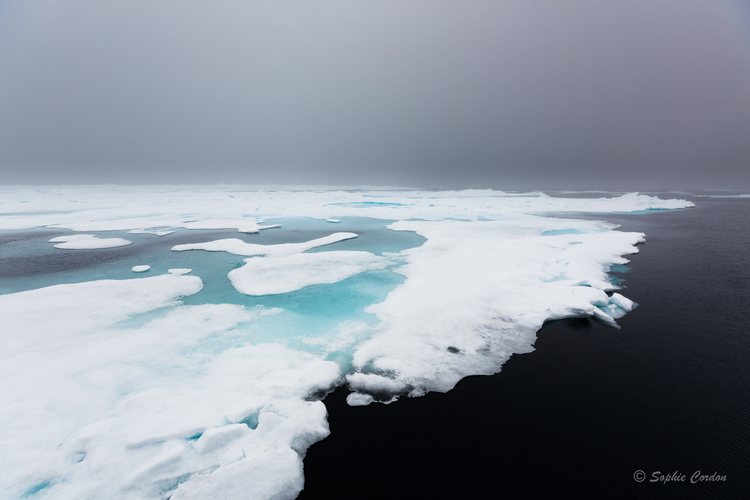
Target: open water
{"x":576,"y":418}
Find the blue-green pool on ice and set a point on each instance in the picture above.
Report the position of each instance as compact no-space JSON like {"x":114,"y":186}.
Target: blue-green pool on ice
{"x":30,"y":261}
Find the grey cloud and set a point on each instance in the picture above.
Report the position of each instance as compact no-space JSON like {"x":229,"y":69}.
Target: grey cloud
{"x":428,"y":93}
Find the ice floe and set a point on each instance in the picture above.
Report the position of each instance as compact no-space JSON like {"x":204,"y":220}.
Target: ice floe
{"x":285,"y":268}
{"x":156,"y":232}
{"x":179,"y":271}
{"x":118,"y":389}
{"x":91,"y":409}
{"x":477,"y":292}
{"x":241,"y":225}
{"x":140,"y":269}
{"x":273,"y":275}
{"x":88,"y":242}
{"x":239,"y":247}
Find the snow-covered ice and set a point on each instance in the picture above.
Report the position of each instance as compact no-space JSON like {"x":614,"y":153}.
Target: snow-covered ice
{"x":272,"y":275}
{"x":94,"y":410}
{"x":163,"y":232}
{"x":125,"y":208}
{"x":133,"y":388}
{"x":506,"y":278}
{"x":286,"y":268}
{"x":239,"y":247}
{"x":88,"y":242}
{"x":179,"y":271}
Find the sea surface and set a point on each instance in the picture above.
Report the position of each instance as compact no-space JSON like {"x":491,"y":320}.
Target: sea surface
{"x":668,"y":394}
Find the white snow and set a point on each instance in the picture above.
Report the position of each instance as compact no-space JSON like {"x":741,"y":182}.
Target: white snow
{"x":285,"y":268}
{"x":242,"y":225}
{"x":116,"y":389}
{"x":99,"y":410}
{"x":85,"y":208}
{"x":359,"y":399}
{"x":239,"y":247}
{"x":88,"y":242}
{"x":179,"y":271}
{"x":163,"y":232}
{"x":623,"y":303}
{"x":274,"y":275}
{"x":141,"y":269}
{"x":477,"y":292}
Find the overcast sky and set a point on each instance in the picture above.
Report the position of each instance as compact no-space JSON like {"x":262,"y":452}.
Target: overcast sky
{"x":503,"y":94}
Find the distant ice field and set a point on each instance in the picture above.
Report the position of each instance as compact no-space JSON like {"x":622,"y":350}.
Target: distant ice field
{"x":180,"y":343}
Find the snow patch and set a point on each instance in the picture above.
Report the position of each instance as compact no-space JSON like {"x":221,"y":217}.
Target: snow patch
{"x":88,"y":242}
{"x":137,"y":413}
{"x":164,"y":232}
{"x":238,"y":247}
{"x":242,"y":225}
{"x":274,"y":275}
{"x":483,"y":289}
{"x":179,"y":271}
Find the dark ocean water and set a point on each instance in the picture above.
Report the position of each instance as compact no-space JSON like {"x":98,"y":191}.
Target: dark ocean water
{"x":592,"y":405}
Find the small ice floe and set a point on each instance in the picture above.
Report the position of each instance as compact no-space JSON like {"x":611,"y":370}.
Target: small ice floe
{"x":284,"y":274}
{"x":617,"y":306}
{"x":239,"y":247}
{"x":336,"y":221}
{"x":164,"y":232}
{"x":359,"y":399}
{"x":141,"y":269}
{"x":88,"y":242}
{"x":243,"y":225}
{"x":178,"y":271}
{"x":623,"y":303}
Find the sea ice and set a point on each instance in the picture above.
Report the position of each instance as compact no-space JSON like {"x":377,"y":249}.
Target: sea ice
{"x":125,"y":208}
{"x":94,"y":410}
{"x":118,"y":389}
{"x":179,"y":271}
{"x":286,"y":273}
{"x":623,"y":303}
{"x":239,"y":247}
{"x":242,"y":225}
{"x":88,"y":242}
{"x":163,"y":232}
{"x":505,"y":278}
{"x":141,"y":269}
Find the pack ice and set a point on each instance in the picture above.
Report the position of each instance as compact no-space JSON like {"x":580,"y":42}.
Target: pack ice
{"x":125,"y":388}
